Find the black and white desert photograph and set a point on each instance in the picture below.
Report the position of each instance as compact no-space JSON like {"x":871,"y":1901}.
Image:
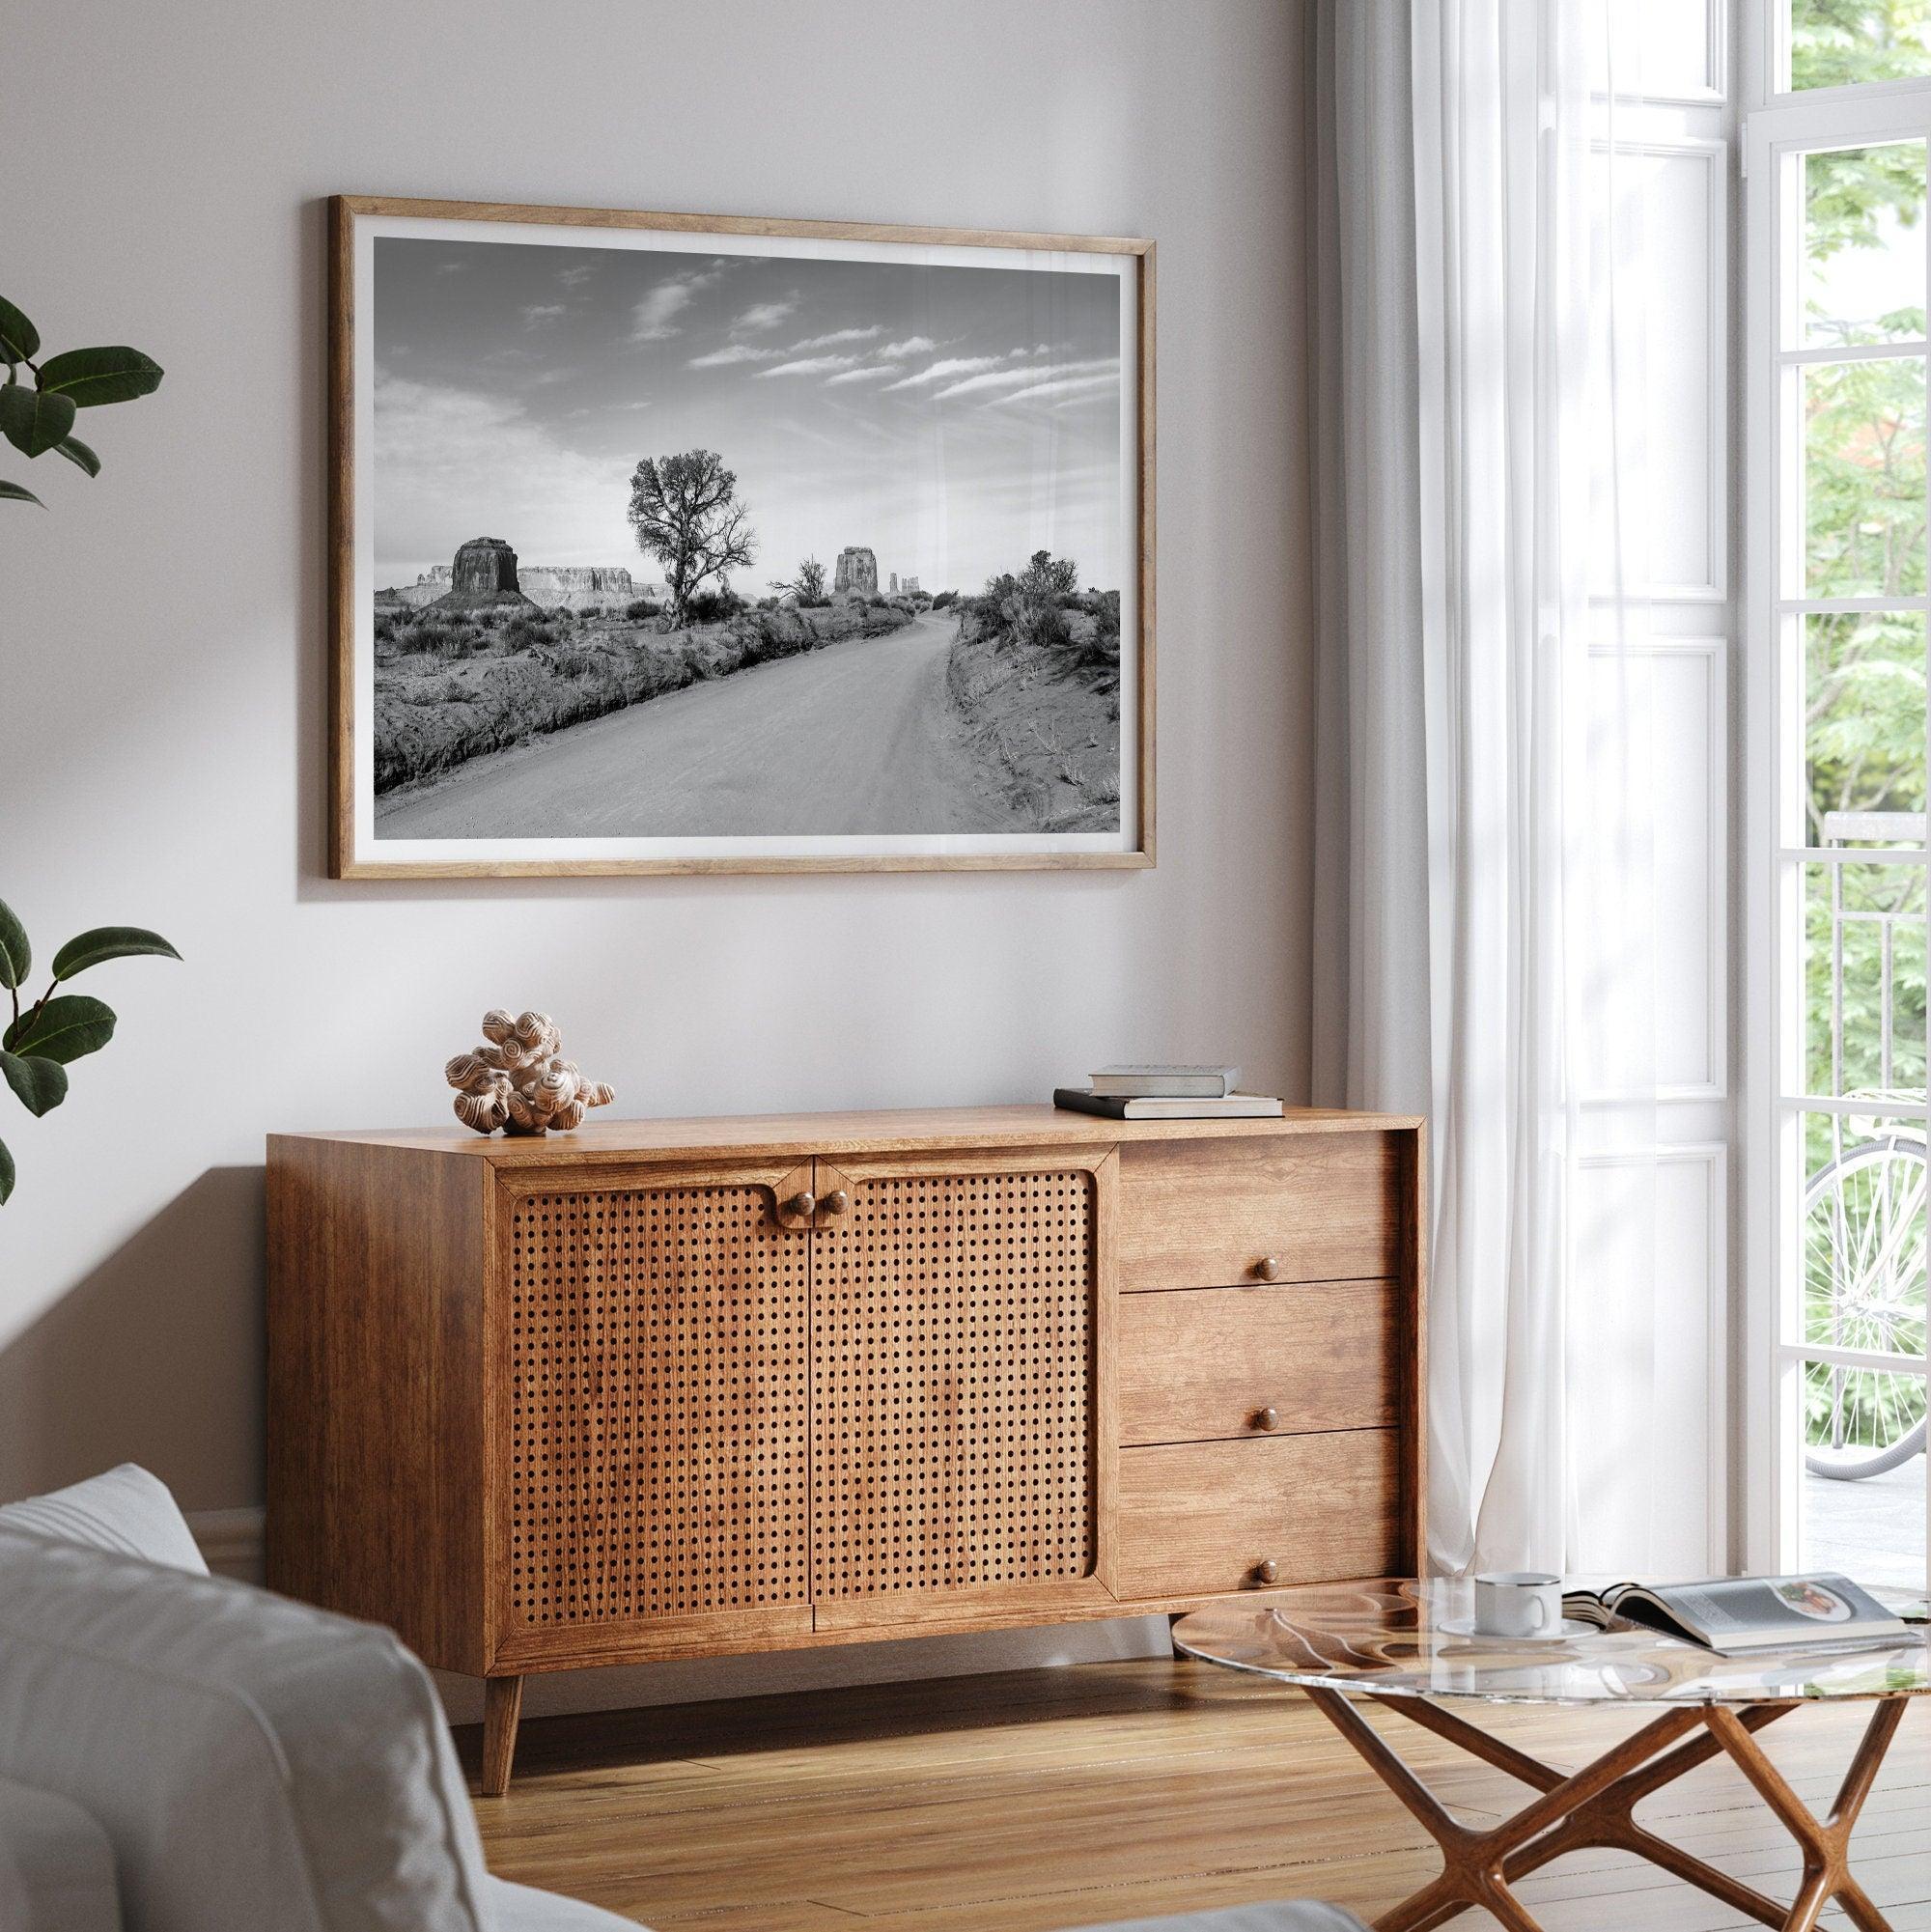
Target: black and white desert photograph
{"x":668,"y":545}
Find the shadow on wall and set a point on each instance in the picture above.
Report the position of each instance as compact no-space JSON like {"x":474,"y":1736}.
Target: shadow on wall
{"x":156,"y":1357}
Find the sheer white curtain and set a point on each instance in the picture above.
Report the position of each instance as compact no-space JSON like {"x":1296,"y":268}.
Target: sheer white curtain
{"x":1482,"y":877}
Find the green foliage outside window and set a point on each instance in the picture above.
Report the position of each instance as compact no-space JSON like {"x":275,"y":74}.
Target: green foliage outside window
{"x":1849,"y":42}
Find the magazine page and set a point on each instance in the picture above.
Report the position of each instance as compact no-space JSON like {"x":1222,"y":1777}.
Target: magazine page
{"x":1790,"y":1609}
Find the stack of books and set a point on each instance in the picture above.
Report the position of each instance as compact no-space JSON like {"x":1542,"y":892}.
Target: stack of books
{"x":1167,"y":1093}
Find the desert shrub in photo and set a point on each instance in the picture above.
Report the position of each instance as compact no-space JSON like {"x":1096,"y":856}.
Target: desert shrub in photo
{"x":1034,"y":672}
{"x":713,"y":606}
{"x":521,"y":682}
{"x":524,"y":632}
{"x":572,"y":660}
{"x":441,"y":635}
{"x":641,"y":608}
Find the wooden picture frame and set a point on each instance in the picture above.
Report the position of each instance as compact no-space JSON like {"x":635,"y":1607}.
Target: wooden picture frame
{"x":512,"y":808}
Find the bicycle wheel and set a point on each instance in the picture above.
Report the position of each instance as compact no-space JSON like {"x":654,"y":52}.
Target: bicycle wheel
{"x":1864,"y":1288}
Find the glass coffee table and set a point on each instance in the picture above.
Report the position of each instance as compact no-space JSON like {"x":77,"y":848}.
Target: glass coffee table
{"x":1407,"y":1646}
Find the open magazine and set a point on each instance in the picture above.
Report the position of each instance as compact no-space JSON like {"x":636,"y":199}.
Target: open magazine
{"x":1737,"y":1617}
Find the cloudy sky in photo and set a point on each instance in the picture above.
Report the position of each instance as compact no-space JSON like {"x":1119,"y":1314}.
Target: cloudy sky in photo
{"x":954,"y":419}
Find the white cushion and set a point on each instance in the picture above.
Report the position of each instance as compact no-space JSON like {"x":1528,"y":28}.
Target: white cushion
{"x":257,"y":1765}
{"x":126,"y":1509}
{"x":519,"y":1908}
{"x":56,"y":1865}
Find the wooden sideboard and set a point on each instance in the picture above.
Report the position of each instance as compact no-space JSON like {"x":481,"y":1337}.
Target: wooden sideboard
{"x":674,"y":1388}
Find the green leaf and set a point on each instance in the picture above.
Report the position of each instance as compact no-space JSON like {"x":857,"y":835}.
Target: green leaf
{"x":77,"y":452}
{"x":6,"y":1175}
{"x":34,"y":420}
{"x":16,"y":956}
{"x":64,"y":1030}
{"x":91,"y":377}
{"x":41,"y":1085}
{"x":19,"y":342}
{"x":108,"y":943}
{"x":11,"y":493}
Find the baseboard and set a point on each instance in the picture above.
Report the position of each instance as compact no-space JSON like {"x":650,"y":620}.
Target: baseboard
{"x":231,"y":1542}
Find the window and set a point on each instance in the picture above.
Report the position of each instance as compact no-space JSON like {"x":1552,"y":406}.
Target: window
{"x":1853,"y":42}
{"x":1835,"y":171}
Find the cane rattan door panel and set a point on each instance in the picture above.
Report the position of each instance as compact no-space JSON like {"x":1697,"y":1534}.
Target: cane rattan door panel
{"x":954,"y":1383}
{"x":658,"y":1405}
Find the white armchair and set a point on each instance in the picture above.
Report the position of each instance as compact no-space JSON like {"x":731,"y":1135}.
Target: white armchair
{"x":252,"y":1763}
{"x":179,"y":1753}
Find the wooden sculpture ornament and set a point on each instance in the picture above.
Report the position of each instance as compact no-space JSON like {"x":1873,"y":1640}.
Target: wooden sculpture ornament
{"x":519,"y":1079}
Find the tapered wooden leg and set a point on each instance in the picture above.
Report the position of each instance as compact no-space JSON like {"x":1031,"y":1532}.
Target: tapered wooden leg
{"x":502,"y":1706}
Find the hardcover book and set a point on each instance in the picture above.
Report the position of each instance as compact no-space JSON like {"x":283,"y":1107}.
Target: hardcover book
{"x":1138,"y":1082}
{"x":1167,"y":1107}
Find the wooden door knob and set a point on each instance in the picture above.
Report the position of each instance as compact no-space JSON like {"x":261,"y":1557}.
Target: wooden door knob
{"x":1266,"y":1570}
{"x":1268,"y":1418}
{"x":1267,"y":1268}
{"x":836,"y":1202}
{"x":803,"y":1205}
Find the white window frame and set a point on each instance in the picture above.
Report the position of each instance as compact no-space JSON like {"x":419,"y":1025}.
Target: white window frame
{"x":1778,"y":125}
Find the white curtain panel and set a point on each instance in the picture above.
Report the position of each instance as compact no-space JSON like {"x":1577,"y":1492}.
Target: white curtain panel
{"x":1484,"y":888}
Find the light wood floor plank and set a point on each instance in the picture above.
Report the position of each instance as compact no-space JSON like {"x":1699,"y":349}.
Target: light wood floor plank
{"x":1053,"y":1799}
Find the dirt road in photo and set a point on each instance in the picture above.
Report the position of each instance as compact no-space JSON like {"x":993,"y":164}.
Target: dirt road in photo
{"x":859,"y":736}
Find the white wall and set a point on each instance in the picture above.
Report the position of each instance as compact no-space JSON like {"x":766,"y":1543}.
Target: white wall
{"x":162,"y":711}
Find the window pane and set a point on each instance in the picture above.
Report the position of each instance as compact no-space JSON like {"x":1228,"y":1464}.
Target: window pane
{"x":1864,"y":478}
{"x":1863,"y":1511}
{"x":1863,"y":729}
{"x":1863,"y":979}
{"x":1864,"y":1260}
{"x":1863,"y":244}
{"x":1841,"y":43}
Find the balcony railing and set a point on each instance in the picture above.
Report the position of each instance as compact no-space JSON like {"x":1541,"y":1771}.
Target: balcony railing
{"x":1865,"y":1252}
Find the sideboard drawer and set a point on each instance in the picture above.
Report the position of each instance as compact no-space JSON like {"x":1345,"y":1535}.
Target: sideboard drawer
{"x":1197,"y":1363}
{"x":1310,"y":1207}
{"x":1197,"y":1518}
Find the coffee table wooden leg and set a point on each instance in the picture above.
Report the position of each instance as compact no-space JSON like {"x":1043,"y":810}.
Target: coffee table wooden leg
{"x":1596,"y":1806}
{"x":1476,"y":1863}
{"x":1605,"y":1821}
{"x":1608,"y":1822}
{"x":1826,"y":1843}
{"x":1858,"y":1907}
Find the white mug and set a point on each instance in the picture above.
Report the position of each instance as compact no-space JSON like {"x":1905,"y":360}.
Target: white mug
{"x":1518,"y":1603}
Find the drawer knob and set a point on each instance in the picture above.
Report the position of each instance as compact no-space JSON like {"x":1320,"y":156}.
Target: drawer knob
{"x":836,"y":1202}
{"x":803,"y":1205}
{"x":1268,"y":1418}
{"x":1267,"y":1268}
{"x":1266,"y":1571}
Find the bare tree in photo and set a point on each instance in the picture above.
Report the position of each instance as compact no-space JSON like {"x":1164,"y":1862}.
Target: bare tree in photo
{"x":808,"y":586}
{"x":685,"y":511}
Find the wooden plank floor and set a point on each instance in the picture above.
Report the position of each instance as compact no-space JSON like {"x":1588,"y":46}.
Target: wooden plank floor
{"x":1048,"y":1799}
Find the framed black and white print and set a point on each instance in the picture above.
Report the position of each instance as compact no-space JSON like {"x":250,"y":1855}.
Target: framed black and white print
{"x":678,"y":544}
